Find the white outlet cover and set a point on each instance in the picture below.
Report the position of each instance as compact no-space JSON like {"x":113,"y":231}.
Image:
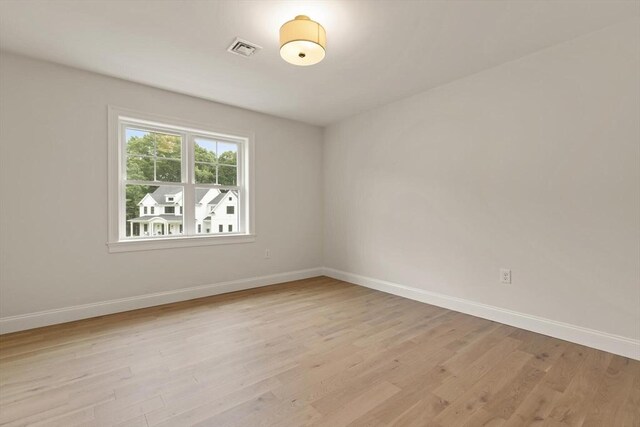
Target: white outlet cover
{"x":505,"y":275}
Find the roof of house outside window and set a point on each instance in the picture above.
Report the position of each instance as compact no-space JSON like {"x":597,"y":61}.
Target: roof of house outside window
{"x":163,"y":191}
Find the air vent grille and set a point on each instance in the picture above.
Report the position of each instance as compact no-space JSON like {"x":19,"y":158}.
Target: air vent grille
{"x":243,"y":48}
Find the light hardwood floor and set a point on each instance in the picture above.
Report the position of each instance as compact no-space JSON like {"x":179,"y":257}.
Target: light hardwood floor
{"x":314,"y":352}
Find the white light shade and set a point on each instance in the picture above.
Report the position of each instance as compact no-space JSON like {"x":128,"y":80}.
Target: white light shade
{"x":302,"y":41}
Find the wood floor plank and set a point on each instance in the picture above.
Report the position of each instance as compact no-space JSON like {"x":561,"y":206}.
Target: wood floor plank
{"x":315,"y":352}
{"x":612,"y":393}
{"x":535,"y":408}
{"x":630,"y":415}
{"x":571,"y":408}
{"x":458,"y":384}
{"x":352,"y":409}
{"x":483,"y":391}
{"x":421,"y":413}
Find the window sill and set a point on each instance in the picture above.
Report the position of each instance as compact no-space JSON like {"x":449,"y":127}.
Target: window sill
{"x":178,"y":242}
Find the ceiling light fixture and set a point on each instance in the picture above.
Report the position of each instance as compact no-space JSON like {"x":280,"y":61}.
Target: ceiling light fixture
{"x":302,"y":41}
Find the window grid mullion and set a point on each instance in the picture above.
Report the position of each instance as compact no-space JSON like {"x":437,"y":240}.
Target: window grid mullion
{"x":189,"y":205}
{"x":217,"y":162}
{"x":218,"y":187}
{"x":122,"y":208}
{"x":155,"y":160}
{"x":151,"y":183}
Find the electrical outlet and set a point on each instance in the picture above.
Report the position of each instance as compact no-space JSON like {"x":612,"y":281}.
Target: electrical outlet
{"x":505,"y":275}
{"x":267,"y":253}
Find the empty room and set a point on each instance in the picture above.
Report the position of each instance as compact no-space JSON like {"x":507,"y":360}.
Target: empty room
{"x":286,"y":213}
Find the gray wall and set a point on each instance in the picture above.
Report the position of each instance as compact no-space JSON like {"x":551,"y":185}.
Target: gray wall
{"x":533,"y":165}
{"x":53,"y":221}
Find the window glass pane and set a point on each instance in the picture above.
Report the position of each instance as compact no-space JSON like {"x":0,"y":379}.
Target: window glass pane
{"x":204,"y":150}
{"x":153,"y":156}
{"x":227,"y":175}
{"x":168,"y":146}
{"x":155,"y":222}
{"x":205,"y":173}
{"x":153,"y":143}
{"x":139,"y":142}
{"x":227,"y":153}
{"x":168,"y":170}
{"x":140,"y":168}
{"x":216,"y":211}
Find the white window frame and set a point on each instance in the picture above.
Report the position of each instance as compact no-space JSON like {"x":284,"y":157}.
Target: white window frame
{"x":118,"y":119}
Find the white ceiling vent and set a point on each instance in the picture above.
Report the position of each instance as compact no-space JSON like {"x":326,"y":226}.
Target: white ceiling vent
{"x":243,"y":48}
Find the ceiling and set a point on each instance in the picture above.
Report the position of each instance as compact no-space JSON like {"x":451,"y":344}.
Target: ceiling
{"x":377,"y":51}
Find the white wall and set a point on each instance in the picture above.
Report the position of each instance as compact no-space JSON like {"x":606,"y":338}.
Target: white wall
{"x":533,"y":165}
{"x":53,"y":174}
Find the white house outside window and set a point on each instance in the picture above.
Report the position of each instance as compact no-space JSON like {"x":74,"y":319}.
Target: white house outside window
{"x":176,"y":185}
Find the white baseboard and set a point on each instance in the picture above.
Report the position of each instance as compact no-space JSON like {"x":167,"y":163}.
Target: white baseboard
{"x":589,"y":337}
{"x":592,"y":338}
{"x":84,"y":311}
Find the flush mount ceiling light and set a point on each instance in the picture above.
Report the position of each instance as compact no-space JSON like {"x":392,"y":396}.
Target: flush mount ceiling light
{"x":302,"y":41}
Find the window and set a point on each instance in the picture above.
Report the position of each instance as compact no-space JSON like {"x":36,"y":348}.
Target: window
{"x":156,"y":161}
{"x":230,"y":228}
{"x":220,"y":228}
